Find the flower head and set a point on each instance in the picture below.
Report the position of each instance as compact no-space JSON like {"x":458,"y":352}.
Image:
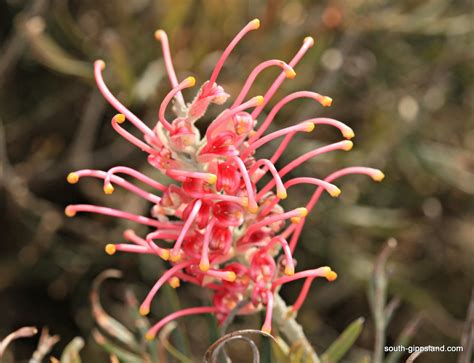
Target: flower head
{"x":214,"y":225}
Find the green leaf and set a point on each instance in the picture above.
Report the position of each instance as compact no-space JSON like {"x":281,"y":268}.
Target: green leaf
{"x":112,"y":348}
{"x":404,"y":339}
{"x":344,"y":342}
{"x":164,"y":340}
{"x":110,"y":325}
{"x":296,"y":353}
{"x":50,"y":54}
{"x":280,"y":351}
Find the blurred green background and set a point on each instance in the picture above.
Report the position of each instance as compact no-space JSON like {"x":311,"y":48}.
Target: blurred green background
{"x":400,"y":74}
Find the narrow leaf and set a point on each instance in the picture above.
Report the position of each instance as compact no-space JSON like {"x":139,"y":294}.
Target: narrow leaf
{"x":114,"y":349}
{"x":344,"y":342}
{"x":110,"y":325}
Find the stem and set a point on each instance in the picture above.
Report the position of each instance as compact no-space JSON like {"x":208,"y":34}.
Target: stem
{"x":291,"y":329}
{"x":378,"y":299}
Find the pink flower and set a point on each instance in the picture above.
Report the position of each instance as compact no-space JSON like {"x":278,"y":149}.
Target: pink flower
{"x":214,"y":225}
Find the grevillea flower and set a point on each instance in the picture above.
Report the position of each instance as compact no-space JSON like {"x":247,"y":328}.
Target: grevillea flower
{"x":217,"y":224}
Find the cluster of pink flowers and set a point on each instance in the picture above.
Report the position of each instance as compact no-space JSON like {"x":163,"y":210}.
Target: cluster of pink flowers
{"x":214,"y":225}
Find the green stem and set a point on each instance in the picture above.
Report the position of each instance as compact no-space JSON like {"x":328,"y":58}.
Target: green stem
{"x":291,"y":329}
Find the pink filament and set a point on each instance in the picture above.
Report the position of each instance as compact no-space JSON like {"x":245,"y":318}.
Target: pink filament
{"x":341,"y":145}
{"x":132,"y":139}
{"x":98,"y":67}
{"x":279,"y":184}
{"x":220,"y":63}
{"x":163,"y":38}
{"x":303,"y":293}
{"x":253,"y":75}
{"x":205,"y":244}
{"x":164,"y":104}
{"x":162,"y":252}
{"x":267,"y":324}
{"x":303,"y":180}
{"x":345,"y":130}
{"x":120,"y":214}
{"x":279,"y":106}
{"x":182,"y":174}
{"x":267,"y":138}
{"x":286,"y":249}
{"x":307,"y":43}
{"x":296,"y":234}
{"x":131,"y":236}
{"x":223,"y":197}
{"x":184,"y":312}
{"x":132,"y":248}
{"x":248,"y":184}
{"x":119,"y":181}
{"x":282,"y":147}
{"x":274,"y":218}
{"x":315,"y":197}
{"x":137,"y":175}
{"x":187,"y":225}
{"x":319,"y":272}
{"x":228,"y":113}
{"x":165,"y":277}
{"x":185,"y":277}
{"x":290,"y":229}
{"x":162,"y":234}
{"x":223,"y":275}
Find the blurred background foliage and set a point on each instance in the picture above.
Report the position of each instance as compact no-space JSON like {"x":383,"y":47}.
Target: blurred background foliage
{"x":400,"y":74}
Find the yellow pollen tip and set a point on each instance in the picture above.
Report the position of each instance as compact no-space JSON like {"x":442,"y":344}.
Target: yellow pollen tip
{"x":108,"y":188}
{"x":259,"y":100}
{"x":309,"y":127}
{"x":174,"y":257}
{"x":110,"y":249}
{"x":144,"y":311}
{"x":212,"y":178}
{"x":266,"y":329}
{"x":165,"y":255}
{"x":348,"y":133}
{"x":253,"y":209}
{"x":119,"y":118}
{"x":326,"y":270}
{"x":331,"y":276}
{"x":326,"y":101}
{"x":204,"y":267}
{"x":100,"y":63}
{"x":159,"y":34}
{"x":255,"y":23}
{"x":334,"y":191}
{"x":231,"y":276}
{"x":309,"y":40}
{"x":289,"y":270}
{"x":348,"y":145}
{"x":290,"y":73}
{"x":69,"y":212}
{"x":191,"y":81}
{"x":295,"y":220}
{"x":302,"y":211}
{"x":281,"y":194}
{"x":174,"y":282}
{"x":378,"y":176}
{"x":72,"y":178}
{"x":149,"y":336}
{"x":245,"y":202}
